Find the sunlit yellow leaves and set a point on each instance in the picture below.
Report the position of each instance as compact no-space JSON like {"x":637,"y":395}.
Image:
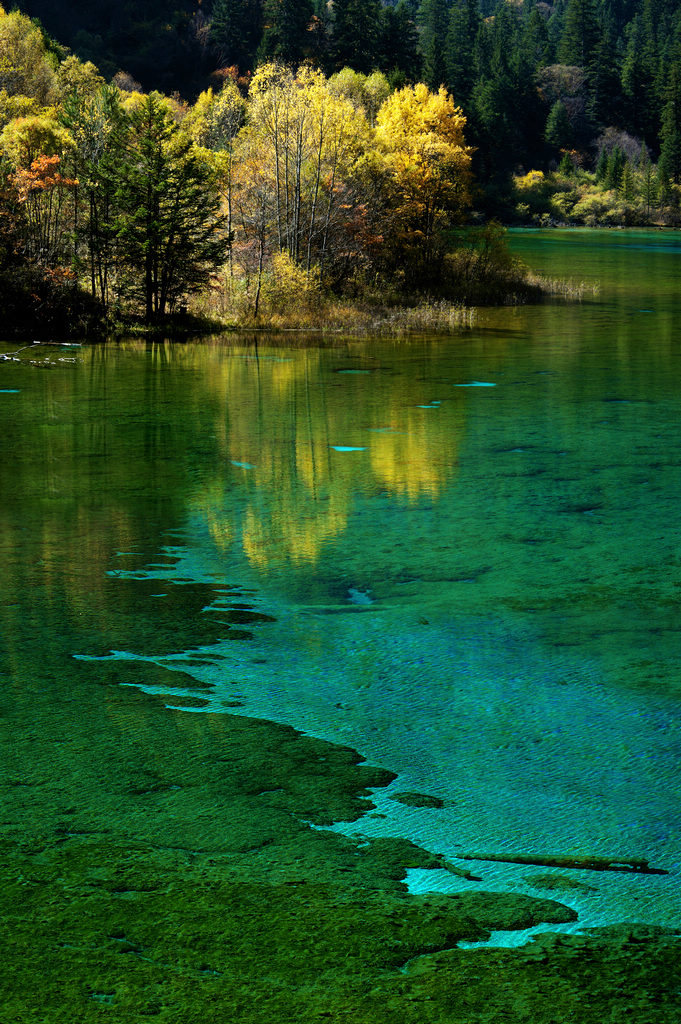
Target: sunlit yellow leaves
{"x":528,"y":181}
{"x":303,"y":139}
{"x":215,"y":119}
{"x":299,"y":494}
{"x":25,"y":139}
{"x":365,"y":91}
{"x":26,"y":68}
{"x":80,"y":77}
{"x":421,"y":136}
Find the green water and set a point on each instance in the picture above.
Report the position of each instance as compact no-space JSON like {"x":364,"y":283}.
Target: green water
{"x":458,"y":555}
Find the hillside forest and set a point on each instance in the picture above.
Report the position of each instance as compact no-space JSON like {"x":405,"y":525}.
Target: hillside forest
{"x":241,"y":156}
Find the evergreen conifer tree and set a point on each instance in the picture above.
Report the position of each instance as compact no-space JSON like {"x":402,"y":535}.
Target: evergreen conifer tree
{"x":169,"y":231}
{"x":615,"y":168}
{"x":670,"y":133}
{"x":433,"y":20}
{"x":558,"y":131}
{"x":639,"y":77}
{"x":602,"y":166}
{"x":566,"y":165}
{"x":605,"y":91}
{"x":357,"y":34}
{"x":400,"y":50}
{"x":581,"y":34}
{"x":286,"y":30}
{"x":235,"y":31}
{"x":535,"y":41}
{"x":464,"y":22}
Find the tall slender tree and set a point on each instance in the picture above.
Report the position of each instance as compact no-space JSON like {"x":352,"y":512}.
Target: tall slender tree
{"x":670,"y":133}
{"x":639,"y":80}
{"x":433,"y":19}
{"x":357,"y":34}
{"x":169,"y":230}
{"x":235,"y":31}
{"x":400,"y":52}
{"x":287,"y":28}
{"x":464,"y":22}
{"x":581,"y":34}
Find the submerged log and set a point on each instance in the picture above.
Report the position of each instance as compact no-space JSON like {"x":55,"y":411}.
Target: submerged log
{"x":584,"y":863}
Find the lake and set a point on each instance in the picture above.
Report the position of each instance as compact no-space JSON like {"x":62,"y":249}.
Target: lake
{"x":459,"y":556}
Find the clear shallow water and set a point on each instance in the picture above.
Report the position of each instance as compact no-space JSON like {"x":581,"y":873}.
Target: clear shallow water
{"x":470,"y":547}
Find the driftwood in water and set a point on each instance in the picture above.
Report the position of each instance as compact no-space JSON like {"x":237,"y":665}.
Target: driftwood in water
{"x":585,"y":863}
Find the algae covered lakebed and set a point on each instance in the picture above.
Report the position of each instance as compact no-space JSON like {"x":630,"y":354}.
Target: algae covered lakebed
{"x":321,"y":688}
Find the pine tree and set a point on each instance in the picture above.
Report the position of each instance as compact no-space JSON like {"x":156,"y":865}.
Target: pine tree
{"x":605,"y":91}
{"x":670,"y":134}
{"x":628,"y":183}
{"x":235,"y":31}
{"x":286,"y":32}
{"x":535,"y":41}
{"x":566,"y":165}
{"x":357,"y":34}
{"x":581,"y":34}
{"x":464,"y":22}
{"x":169,"y":232}
{"x":615,"y":168}
{"x":602,"y":166}
{"x":558,"y":132}
{"x":433,"y":20}
{"x":639,"y":75}
{"x":400,"y":51}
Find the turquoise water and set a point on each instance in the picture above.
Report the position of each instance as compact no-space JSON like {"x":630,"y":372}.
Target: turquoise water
{"x":458,"y":555}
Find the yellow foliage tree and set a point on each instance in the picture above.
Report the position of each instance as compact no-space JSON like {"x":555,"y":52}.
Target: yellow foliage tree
{"x":299,"y":144}
{"x":214,"y":123}
{"x":367,"y":91}
{"x":76,"y":76}
{"x":25,"y":139}
{"x":26,"y":68}
{"x":43,"y":193}
{"x":427,"y":163}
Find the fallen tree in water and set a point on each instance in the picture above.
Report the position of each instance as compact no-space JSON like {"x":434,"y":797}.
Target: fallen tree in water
{"x":583,"y":863}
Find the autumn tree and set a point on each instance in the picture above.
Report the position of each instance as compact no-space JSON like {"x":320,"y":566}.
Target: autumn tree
{"x":96,"y":126}
{"x":25,"y":139}
{"x":295,"y":155}
{"x":420,"y":137}
{"x":213,"y":123}
{"x":367,"y":92}
{"x":26,"y":66}
{"x":42,"y":191}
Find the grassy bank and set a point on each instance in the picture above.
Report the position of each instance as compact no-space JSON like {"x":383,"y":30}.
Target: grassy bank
{"x":476,"y":270}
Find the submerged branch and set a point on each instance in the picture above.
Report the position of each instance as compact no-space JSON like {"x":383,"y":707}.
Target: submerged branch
{"x":583,"y":863}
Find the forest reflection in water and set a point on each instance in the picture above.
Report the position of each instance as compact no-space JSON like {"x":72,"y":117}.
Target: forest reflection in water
{"x":496,"y":509}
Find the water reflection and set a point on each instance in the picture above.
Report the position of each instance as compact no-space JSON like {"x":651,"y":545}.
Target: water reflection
{"x":270,"y":451}
{"x":518,"y":543}
{"x":302,"y":438}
